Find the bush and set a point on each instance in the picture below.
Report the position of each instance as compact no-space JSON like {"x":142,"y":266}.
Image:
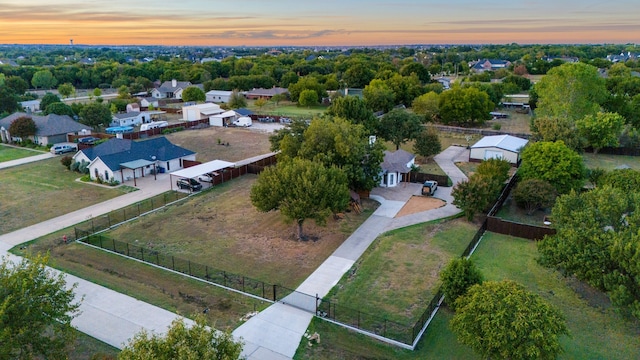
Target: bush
{"x":85,"y":178}
{"x":534,"y":194}
{"x":66,"y":161}
{"x":459,"y":275}
{"x":74,"y":166}
{"x":496,"y":126}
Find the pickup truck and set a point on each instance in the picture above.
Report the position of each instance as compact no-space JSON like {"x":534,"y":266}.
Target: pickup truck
{"x":429,"y":187}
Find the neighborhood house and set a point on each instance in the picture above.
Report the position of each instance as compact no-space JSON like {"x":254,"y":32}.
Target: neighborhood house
{"x":123,"y":159}
{"x":200,"y":111}
{"x":394,"y":165}
{"x":50,"y":129}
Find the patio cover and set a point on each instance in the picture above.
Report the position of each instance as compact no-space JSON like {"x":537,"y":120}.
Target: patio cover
{"x":136,"y":164}
{"x":205,"y":168}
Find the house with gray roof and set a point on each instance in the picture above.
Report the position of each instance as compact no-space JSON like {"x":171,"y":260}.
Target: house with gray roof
{"x":395,"y":166}
{"x":50,"y":129}
{"x":490,"y":65}
{"x":172,"y":89}
{"x":267,"y":94}
{"x":123,"y":159}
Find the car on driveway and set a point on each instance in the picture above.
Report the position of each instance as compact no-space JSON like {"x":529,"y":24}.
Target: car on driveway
{"x":429,"y":187}
{"x":190,"y":184}
{"x":63,"y":148}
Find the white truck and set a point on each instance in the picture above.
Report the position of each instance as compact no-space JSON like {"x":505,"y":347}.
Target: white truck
{"x":243,"y":121}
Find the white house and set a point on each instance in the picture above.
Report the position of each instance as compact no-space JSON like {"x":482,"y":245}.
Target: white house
{"x":499,"y":146}
{"x":394,"y":166}
{"x":123,"y":159}
{"x":200,"y":111}
{"x":130,"y":119}
{"x":218,"y":96}
{"x":223,"y":119}
{"x":170,"y":89}
{"x":145,"y":102}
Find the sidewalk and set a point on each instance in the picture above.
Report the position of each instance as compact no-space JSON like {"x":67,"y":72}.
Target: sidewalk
{"x":277,"y":331}
{"x":26,"y":160}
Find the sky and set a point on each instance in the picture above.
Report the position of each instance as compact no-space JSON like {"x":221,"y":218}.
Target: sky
{"x":318,"y":23}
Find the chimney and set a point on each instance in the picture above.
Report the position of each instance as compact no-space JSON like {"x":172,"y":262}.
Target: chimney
{"x":174,"y":83}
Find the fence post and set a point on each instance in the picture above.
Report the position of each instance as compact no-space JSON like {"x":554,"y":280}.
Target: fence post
{"x":124,"y":214}
{"x":100,"y":238}
{"x":127,"y":249}
{"x":316,"y":304}
{"x":114,"y":244}
{"x":142,"y":252}
{"x":274,"y":292}
{"x":157,"y":258}
{"x":92,"y":228}
{"x":189,"y":261}
{"x":206,"y":272}
{"x":75,"y":231}
{"x":262,"y":289}
{"x":109,"y":219}
{"x":224,"y":278}
{"x":138,"y":209}
{"x":152,"y":206}
{"x":243,"y":284}
{"x":173,"y":262}
{"x":358,"y":319}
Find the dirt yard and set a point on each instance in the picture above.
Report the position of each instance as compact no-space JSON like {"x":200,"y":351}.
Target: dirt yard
{"x":420,"y":203}
{"x":243,"y":143}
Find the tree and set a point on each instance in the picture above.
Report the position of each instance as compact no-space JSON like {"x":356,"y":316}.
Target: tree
{"x":571,"y":91}
{"x":416,"y":68}
{"x":66,"y":89}
{"x":193,"y":93}
{"x":497,"y":169}
{"x":97,"y":92}
{"x":308,"y":98}
{"x":475,"y":195}
{"x":23,"y":127}
{"x":36,"y":309}
{"x":427,"y":105}
{"x":17,"y":84}
{"x":459,"y":275}
{"x":306,"y":83}
{"x":354,"y":109}
{"x":557,"y":129}
{"x":260,"y":103}
{"x":8,"y":100}
{"x":182,"y":341}
{"x":534,"y":194}
{"x":96,"y":114}
{"x":277,"y":98}
{"x":399,"y":126}
{"x":465,"y":106}
{"x":43,"y":79}
{"x":404,"y":88}
{"x":627,"y":180}
{"x":427,"y":143}
{"x":125,"y":93}
{"x":48,"y":99}
{"x":378,"y":96}
{"x":502,"y":320}
{"x":301,"y":189}
{"x":59,"y":108}
{"x":554,"y":162}
{"x":237,"y":100}
{"x":601,"y":130}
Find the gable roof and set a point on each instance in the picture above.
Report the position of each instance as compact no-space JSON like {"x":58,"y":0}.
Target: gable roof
{"x":396,"y":161}
{"x":266,"y":92}
{"x":49,"y":125}
{"x":505,"y":142}
{"x":127,"y":115}
{"x":118,"y":151}
{"x":167,"y":86}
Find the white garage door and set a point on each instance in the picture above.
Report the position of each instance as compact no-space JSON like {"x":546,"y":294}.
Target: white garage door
{"x":493,"y":154}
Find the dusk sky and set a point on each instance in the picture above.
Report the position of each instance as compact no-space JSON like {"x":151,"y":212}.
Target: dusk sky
{"x":328,"y":22}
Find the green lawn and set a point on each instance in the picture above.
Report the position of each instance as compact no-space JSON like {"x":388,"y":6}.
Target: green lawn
{"x":8,"y":153}
{"x":87,"y":348}
{"x":610,"y":162}
{"x":42,"y":190}
{"x":287,"y":108}
{"x":597,"y":331}
{"x":399,"y":272}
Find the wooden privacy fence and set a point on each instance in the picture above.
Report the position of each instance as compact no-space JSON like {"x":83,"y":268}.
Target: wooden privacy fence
{"x":525,"y":231}
{"x":416,"y":177}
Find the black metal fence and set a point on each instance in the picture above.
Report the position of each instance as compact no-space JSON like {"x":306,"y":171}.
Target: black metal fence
{"x":130,"y":212}
{"x":245,"y":284}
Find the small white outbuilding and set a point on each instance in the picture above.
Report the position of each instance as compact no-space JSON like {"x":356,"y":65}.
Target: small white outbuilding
{"x":499,"y":146}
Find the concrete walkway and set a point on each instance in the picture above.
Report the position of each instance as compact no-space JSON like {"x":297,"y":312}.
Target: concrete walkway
{"x":275,"y":333}
{"x":26,"y":160}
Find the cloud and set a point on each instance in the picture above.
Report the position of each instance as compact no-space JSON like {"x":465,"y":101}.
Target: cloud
{"x":270,"y":34}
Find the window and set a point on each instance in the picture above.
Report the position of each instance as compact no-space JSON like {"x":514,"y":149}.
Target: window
{"x":106,"y":175}
{"x":96,"y":172}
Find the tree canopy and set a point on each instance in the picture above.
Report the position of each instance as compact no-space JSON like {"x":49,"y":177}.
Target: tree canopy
{"x":8,"y":101}
{"x":36,"y":310}
{"x":378,"y":96}
{"x":427,"y":105}
{"x":555,"y":163}
{"x":237,"y":100}
{"x":66,"y":89}
{"x":193,"y":93}
{"x":600,"y":130}
{"x":354,"y":109}
{"x":183,"y":341}
{"x":308,"y":98}
{"x":48,"y":99}
{"x":467,"y":106}
{"x":43,"y":79}
{"x":59,"y":108}
{"x":502,"y":320}
{"x":301,"y":189}
{"x":96,"y":114}
{"x":427,"y":143}
{"x":23,"y":127}
{"x":570,"y":91}
{"x":459,"y":275}
{"x":399,"y":126}
{"x":534,"y":194}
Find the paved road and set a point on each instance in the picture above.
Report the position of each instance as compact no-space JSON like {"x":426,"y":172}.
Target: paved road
{"x":275,"y":333}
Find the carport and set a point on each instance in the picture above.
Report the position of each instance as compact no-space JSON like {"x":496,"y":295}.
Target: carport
{"x":211,"y":167}
{"x":135,"y":165}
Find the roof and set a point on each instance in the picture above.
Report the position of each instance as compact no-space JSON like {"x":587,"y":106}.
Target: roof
{"x":205,"y":168}
{"x":118,"y":151}
{"x":505,"y":142}
{"x":226,"y":114}
{"x":167,"y":86}
{"x":128,"y":115}
{"x":218,"y":92}
{"x":205,"y":109}
{"x":243,"y":112}
{"x":396,"y":161}
{"x":30,"y":102}
{"x":49,"y":125}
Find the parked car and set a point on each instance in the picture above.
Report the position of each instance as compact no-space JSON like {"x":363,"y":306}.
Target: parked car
{"x":63,"y":148}
{"x":429,"y":187}
{"x":205,"y":178}
{"x":88,"y":140}
{"x":191,"y":184}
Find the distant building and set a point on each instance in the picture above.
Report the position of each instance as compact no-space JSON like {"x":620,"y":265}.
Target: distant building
{"x":218,"y":96}
{"x":50,"y":129}
{"x":490,"y":65}
{"x":394,"y":166}
{"x":499,"y":146}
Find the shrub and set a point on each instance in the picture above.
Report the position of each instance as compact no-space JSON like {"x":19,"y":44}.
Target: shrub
{"x":85,"y":178}
{"x":66,"y":161}
{"x":74,"y":166}
{"x":459,"y":275}
{"x":83,"y":168}
{"x":496,"y":126}
{"x":533,"y":194}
